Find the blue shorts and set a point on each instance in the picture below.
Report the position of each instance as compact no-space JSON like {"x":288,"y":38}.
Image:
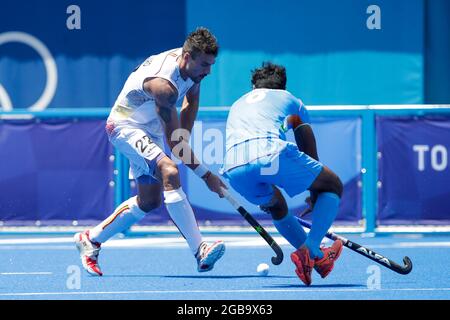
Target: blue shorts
{"x":290,"y":169}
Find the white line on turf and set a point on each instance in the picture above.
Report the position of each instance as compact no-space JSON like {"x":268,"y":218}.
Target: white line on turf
{"x":36,"y":240}
{"x":217,"y":291}
{"x":179,"y":242}
{"x":24,"y":273}
{"x":37,"y":247}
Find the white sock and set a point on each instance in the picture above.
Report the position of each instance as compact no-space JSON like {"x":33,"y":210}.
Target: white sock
{"x":182,"y":215}
{"x":125,"y":215}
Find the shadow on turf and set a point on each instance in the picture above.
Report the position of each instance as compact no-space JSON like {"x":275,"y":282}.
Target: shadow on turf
{"x":195,"y":276}
{"x":300,"y":285}
{"x":230,"y":277}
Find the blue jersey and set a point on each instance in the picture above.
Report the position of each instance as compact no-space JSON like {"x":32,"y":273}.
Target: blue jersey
{"x":257,"y":124}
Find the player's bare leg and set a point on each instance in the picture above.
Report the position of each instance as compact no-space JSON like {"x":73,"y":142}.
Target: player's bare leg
{"x":126,"y":214}
{"x":183,"y":217}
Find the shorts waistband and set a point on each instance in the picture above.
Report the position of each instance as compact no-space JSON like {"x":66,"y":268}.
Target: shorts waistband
{"x":251,"y":139}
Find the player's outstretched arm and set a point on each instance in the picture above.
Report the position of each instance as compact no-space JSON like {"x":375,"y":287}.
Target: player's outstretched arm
{"x":177,"y":138}
{"x":304,"y":135}
{"x":305,"y":139}
{"x":306,"y":142}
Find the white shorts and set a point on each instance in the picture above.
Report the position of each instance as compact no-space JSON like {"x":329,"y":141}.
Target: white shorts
{"x":142,"y":148}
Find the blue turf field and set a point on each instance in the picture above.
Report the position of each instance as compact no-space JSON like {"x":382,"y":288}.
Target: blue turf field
{"x":162,"y":268}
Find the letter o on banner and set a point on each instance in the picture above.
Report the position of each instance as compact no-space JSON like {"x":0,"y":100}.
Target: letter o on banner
{"x":50,"y":68}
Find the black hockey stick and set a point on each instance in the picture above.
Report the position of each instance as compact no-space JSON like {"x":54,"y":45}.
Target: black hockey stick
{"x":255,"y":224}
{"x":368,"y":253}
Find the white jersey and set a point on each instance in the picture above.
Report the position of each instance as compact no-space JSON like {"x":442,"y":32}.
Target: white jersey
{"x":134,"y":105}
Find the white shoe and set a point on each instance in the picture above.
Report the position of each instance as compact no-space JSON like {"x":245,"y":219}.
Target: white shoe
{"x":88,"y":252}
{"x":207,"y":256}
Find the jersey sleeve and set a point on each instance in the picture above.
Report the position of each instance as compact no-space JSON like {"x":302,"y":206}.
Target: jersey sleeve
{"x":299,"y":115}
{"x":303,"y":112}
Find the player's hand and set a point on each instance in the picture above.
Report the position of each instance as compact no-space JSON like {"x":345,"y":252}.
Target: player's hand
{"x":214,"y":183}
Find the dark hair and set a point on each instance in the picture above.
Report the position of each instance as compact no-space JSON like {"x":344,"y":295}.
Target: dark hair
{"x":201,"y":40}
{"x":269,"y":76}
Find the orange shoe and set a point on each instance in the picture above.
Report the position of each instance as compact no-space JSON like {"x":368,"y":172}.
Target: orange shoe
{"x":304,"y":264}
{"x":330,"y":255}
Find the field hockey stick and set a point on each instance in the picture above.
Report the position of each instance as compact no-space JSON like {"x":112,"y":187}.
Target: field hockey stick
{"x":366,"y":252}
{"x":255,"y":224}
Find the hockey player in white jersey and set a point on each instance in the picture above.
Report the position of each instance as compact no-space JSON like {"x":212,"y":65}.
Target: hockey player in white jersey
{"x":142,"y":115}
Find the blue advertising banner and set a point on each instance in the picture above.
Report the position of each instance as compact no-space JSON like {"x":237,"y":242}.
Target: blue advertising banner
{"x":339,"y":148}
{"x":55,"y":172}
{"x":414,"y":173}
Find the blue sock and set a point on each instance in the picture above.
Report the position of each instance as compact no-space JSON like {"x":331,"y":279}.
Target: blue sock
{"x":323,"y":215}
{"x":291,"y":230}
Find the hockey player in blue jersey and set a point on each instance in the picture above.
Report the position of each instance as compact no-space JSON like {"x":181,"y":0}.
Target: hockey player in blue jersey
{"x":259,"y":161}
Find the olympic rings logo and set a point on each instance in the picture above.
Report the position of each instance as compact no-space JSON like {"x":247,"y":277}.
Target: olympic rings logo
{"x":50,"y":68}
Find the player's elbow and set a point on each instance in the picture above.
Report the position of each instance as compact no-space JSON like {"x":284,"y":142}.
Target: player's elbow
{"x":294,"y":121}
